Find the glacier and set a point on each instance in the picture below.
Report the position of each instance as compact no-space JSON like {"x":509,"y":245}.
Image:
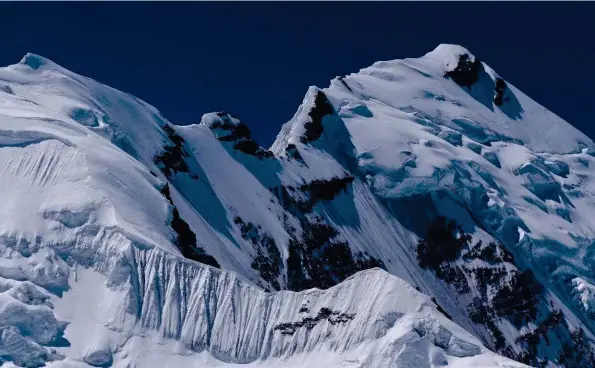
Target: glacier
{"x":128,"y":241}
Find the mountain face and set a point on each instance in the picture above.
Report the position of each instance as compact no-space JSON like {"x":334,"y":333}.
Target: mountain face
{"x":421,"y":212}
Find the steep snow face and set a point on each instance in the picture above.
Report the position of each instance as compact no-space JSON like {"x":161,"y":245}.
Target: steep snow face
{"x":170,"y":311}
{"x":371,"y":319}
{"x":109,"y":208}
{"x":60,"y":173}
{"x":445,"y":135}
{"x":411,"y":129}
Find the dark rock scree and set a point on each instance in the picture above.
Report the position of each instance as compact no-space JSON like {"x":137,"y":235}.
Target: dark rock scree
{"x":324,"y":314}
{"x":186,"y":238}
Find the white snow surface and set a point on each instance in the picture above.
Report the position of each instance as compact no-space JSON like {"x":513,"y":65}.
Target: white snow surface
{"x":90,"y":274}
{"x":585,"y":292}
{"x":198,"y":316}
{"x":411,"y":131}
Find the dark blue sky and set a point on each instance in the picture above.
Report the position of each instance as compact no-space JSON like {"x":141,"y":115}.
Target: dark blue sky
{"x":256,"y":60}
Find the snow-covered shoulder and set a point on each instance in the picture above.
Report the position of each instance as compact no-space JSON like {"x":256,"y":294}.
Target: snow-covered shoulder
{"x":77,"y":159}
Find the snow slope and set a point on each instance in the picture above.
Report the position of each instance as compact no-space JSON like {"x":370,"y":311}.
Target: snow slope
{"x":114,"y":223}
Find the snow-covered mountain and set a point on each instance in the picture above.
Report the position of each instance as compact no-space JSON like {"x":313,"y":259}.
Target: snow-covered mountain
{"x":421,"y":212}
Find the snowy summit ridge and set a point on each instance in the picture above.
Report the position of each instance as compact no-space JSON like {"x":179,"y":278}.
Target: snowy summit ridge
{"x":419,"y":212}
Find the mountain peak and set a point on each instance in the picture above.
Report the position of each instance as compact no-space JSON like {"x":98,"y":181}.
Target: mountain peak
{"x":428,"y":176}
{"x":449,"y":54}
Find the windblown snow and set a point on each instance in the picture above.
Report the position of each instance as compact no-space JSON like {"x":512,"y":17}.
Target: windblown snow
{"x":127,"y":241}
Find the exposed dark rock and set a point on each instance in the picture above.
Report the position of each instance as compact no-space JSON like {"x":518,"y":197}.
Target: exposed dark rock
{"x":235,"y":130}
{"x":505,"y":254}
{"x":531,"y":340}
{"x":454,"y":275}
{"x":487,"y":276}
{"x":186,"y":238}
{"x":321,"y":108}
{"x":514,"y":295}
{"x":293,"y":152}
{"x":577,"y":353}
{"x":491,"y":253}
{"x":505,"y":99}
{"x":321,"y":260}
{"x":467,"y":71}
{"x":317,"y":257}
{"x":364,"y":261}
{"x":296,"y":277}
{"x":289,"y":202}
{"x":268,"y":260}
{"x":326,"y":190}
{"x":250,"y":147}
{"x":441,"y":244}
{"x":228,"y":130}
{"x":481,"y":314}
{"x":499,"y":91}
{"x":519,"y":299}
{"x":310,"y":193}
{"x":166,"y":193}
{"x":324,"y":314}
{"x":247,"y":229}
{"x":445,"y":242}
{"x":186,"y":242}
{"x":504,"y":292}
{"x":171,"y":160}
